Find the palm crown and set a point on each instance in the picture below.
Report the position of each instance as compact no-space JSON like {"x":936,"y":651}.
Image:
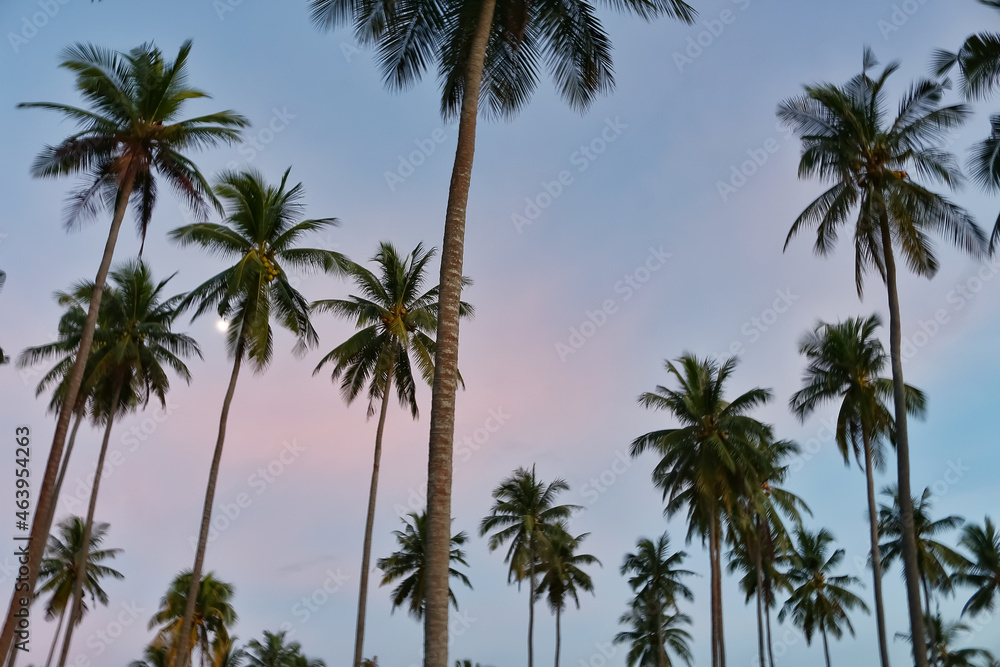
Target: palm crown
{"x":62,"y":557}
{"x":262,"y":227}
{"x":982,"y":571}
{"x":869,"y":157}
{"x":214,"y":615}
{"x":566,"y":36}
{"x":131,"y":131}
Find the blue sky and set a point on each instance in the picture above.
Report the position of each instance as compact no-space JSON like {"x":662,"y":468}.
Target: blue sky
{"x":679,"y":123}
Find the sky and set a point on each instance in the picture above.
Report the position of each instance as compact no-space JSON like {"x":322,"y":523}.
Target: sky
{"x":600,"y":245}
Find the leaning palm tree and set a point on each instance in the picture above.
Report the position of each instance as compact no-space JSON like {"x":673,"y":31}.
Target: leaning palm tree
{"x":820,"y":601}
{"x":131,"y":136}
{"x":209,"y":629}
{"x":935,"y":560}
{"x":136,"y":345}
{"x":562,"y":574}
{"x":845,"y":363}
{"x":710,"y":462}
{"x":408,"y":565}
{"x":396,"y":316}
{"x":978,"y":64}
{"x":490,"y":49}
{"x":982,"y":570}
{"x":656,"y":578}
{"x":649,"y":634}
{"x":872,"y":162}
{"x":523,"y":514}
{"x":59,"y":570}
{"x":262,"y":228}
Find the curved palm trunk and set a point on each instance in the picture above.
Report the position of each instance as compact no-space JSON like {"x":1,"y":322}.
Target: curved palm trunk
{"x":76,"y":613}
{"x":65,"y":464}
{"x":911,"y":570}
{"x":184,"y":649}
{"x":883,"y":645}
{"x":531,"y":616}
{"x":442,"y":426}
{"x":826,"y":648}
{"x":55,"y":639}
{"x":359,"y":637}
{"x":40,"y":524}
{"x":558,"y":634}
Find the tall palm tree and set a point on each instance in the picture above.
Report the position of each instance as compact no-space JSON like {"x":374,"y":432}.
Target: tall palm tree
{"x":523,"y":513}
{"x":136,"y":345}
{"x":935,"y":560}
{"x":59,"y":570}
{"x":711,"y":461}
{"x":492,"y":49}
{"x":982,"y":570}
{"x":274,"y":652}
{"x":408,"y":565}
{"x":262,"y":227}
{"x":562,"y":574}
{"x":845,"y":363}
{"x":131,"y":136}
{"x":757,"y":530}
{"x":820,"y":601}
{"x":396,"y":318}
{"x":870,"y":159}
{"x":209,"y":629}
{"x":657,"y":581}
{"x":649,"y":634}
{"x":978,"y":64}
{"x":763,"y":577}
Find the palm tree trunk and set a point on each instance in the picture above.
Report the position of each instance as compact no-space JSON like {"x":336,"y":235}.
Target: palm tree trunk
{"x":531,"y":616}
{"x":908,"y":538}
{"x":718,"y":588}
{"x":558,"y":634}
{"x":359,"y":637}
{"x":883,"y":644}
{"x":76,"y":612}
{"x":184,"y":650}
{"x":55,"y":640}
{"x":442,"y":426}
{"x":759,"y":566}
{"x":65,"y":464}
{"x":40,"y":525}
{"x":826,"y":648}
{"x":713,"y":549}
{"x":770,"y":644}
{"x":661,"y":650}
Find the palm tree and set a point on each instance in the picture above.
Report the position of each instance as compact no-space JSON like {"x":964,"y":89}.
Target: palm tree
{"x":845,"y":363}
{"x":820,"y":600}
{"x":491,"y":49}
{"x":941,"y":639}
{"x":935,"y":560}
{"x":982,"y":570}
{"x":757,"y":531}
{"x":562,"y":574}
{"x":260,"y":233}
{"x":130,"y":135}
{"x":227,"y":653}
{"x":408,"y":565}
{"x":523,"y":513}
{"x":59,"y":570}
{"x":648,"y":638}
{"x":3,"y":279}
{"x":765,"y":579}
{"x":656,"y":579}
{"x":274,"y":652}
{"x":396,"y":318}
{"x":209,"y":629}
{"x":135,"y":347}
{"x":850,"y":141}
{"x":710,"y":462}
{"x":978,"y":62}
{"x":154,"y":656}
